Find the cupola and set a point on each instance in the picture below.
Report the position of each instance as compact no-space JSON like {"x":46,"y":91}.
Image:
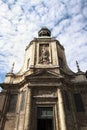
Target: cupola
{"x":44,"y":32}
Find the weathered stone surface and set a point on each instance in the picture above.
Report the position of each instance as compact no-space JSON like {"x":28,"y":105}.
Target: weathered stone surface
{"x":48,"y":83}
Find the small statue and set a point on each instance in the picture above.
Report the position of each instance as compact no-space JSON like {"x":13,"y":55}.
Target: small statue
{"x":44,"y":56}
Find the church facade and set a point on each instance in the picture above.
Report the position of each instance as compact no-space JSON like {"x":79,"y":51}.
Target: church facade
{"x":45,"y":94}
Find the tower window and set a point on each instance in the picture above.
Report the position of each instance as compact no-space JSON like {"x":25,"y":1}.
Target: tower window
{"x":22,"y":100}
{"x":12,"y":103}
{"x":60,"y":61}
{"x":28,"y":62}
{"x":78,"y":102}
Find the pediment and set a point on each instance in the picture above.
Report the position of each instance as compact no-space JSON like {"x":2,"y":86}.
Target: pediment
{"x":44,"y":74}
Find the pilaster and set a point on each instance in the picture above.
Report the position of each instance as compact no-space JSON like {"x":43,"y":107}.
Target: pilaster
{"x":61,"y":111}
{"x":27,"y":124}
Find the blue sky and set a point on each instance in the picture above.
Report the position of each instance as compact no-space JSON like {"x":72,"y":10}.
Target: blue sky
{"x":20,"y":21}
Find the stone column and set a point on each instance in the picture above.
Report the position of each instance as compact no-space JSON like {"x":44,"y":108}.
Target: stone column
{"x":28,"y":111}
{"x":61,"y":111}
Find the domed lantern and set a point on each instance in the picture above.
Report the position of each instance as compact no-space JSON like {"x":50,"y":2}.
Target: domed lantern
{"x":44,"y":32}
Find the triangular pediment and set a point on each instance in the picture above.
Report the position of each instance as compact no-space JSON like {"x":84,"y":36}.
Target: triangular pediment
{"x":44,"y":74}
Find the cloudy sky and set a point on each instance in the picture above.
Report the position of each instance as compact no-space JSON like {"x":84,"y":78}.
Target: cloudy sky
{"x":20,"y":20}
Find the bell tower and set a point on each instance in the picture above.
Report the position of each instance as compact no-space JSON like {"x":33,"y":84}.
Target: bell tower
{"x":44,"y":52}
{"x":45,"y":94}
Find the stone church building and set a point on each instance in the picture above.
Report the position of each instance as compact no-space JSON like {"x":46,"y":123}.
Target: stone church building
{"x":45,"y":94}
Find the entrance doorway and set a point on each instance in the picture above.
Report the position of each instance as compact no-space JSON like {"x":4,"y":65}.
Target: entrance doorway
{"x":45,"y":118}
{"x":44,"y":124}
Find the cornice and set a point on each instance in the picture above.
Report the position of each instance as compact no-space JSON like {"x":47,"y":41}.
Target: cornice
{"x":73,"y":85}
{"x":12,"y":85}
{"x":44,"y":39}
{"x":49,"y":79}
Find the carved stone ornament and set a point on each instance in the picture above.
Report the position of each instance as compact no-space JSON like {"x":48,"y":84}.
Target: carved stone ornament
{"x":45,"y":93}
{"x":44,"y":55}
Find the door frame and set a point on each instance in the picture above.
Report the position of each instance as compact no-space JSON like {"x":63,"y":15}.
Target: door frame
{"x":47,"y":105}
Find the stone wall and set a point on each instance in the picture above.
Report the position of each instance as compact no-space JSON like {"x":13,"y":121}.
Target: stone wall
{"x":2,"y":100}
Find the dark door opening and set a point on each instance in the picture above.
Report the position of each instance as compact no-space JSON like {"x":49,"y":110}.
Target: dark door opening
{"x":45,"y":118}
{"x":44,"y":124}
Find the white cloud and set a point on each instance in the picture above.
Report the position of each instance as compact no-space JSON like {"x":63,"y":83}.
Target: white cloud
{"x":21,"y":20}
